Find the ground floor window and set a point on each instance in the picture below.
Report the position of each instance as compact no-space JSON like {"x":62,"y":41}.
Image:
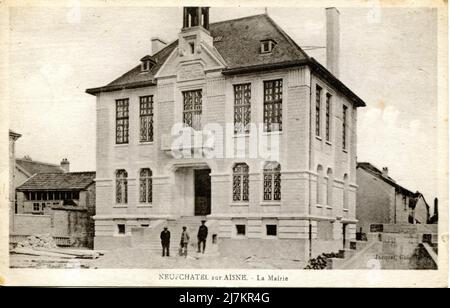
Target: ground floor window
{"x":240,"y":230}
{"x":272,"y":181}
{"x":121,"y":229}
{"x":271,"y":230}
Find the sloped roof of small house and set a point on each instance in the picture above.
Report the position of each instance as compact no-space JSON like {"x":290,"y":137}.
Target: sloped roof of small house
{"x":59,"y":181}
{"x":379,"y":174}
{"x":238,"y":42}
{"x":32,"y":167}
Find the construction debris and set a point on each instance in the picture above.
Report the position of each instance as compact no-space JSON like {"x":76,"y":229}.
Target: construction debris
{"x":33,"y":252}
{"x":321,"y":261}
{"x":44,"y":245}
{"x":41,"y":240}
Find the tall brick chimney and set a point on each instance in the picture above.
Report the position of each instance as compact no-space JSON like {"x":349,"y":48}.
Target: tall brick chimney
{"x":65,"y":165}
{"x":333,"y":40}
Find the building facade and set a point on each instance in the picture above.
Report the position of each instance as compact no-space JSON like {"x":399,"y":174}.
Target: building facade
{"x":381,"y":200}
{"x":13,"y":136}
{"x":26,"y":167}
{"x":60,"y":204}
{"x":235,"y":123}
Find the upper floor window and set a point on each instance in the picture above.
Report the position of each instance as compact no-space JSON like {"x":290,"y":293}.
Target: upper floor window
{"x":273,"y":98}
{"x":329,"y":187}
{"x":242,"y":97}
{"x":272,"y":181}
{"x":121,"y":187}
{"x":345,"y":194}
{"x":146,"y":118}
{"x":328,"y":117}
{"x":192,"y":108}
{"x":145,"y":185}
{"x":267,"y":46}
{"x":344,"y":127}
{"x":319,"y":185}
{"x":240,"y":182}
{"x":122,"y":121}
{"x":318,"y":107}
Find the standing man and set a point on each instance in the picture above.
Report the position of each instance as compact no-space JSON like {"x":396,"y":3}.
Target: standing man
{"x":184,"y":241}
{"x":202,"y":235}
{"x":165,"y":242}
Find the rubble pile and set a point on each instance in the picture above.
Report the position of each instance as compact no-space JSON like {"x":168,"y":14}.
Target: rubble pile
{"x":321,"y":261}
{"x":35,"y":241}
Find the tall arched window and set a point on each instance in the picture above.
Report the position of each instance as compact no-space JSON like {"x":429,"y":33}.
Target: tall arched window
{"x":272,"y":181}
{"x":240,"y":182}
{"x":121,"y":186}
{"x":319,"y":184}
{"x":329,"y":187}
{"x":145,"y":186}
{"x":345,"y":192}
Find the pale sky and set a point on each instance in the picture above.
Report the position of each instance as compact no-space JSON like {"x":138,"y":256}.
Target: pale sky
{"x":388,"y":58}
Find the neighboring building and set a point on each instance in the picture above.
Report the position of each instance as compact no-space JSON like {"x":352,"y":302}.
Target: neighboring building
{"x":12,"y":156}
{"x":61,"y":204}
{"x":380,"y":200}
{"x":250,"y":73}
{"x":26,"y":167}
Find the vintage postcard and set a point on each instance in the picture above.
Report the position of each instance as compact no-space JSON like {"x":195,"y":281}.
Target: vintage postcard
{"x":225,"y":143}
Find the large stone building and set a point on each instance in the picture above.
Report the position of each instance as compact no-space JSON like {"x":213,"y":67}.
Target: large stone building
{"x":381,"y":200}
{"x":236,"y":123}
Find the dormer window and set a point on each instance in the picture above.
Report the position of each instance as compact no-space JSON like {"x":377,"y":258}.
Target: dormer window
{"x":267,"y":46}
{"x":146,"y":63}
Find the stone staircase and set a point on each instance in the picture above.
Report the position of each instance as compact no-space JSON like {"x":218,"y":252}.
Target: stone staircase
{"x":150,"y":237}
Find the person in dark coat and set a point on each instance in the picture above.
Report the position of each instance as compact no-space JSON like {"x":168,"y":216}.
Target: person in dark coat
{"x":165,"y":242}
{"x":202,"y":235}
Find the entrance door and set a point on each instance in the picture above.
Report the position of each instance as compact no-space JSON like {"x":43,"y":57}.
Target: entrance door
{"x":202,"y":192}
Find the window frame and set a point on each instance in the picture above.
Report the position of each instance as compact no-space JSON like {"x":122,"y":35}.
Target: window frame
{"x":123,"y":120}
{"x":146,"y":115}
{"x":123,"y":183}
{"x":267,"y":230}
{"x":243,"y":179}
{"x":328,"y":116}
{"x":344,"y":127}
{"x":237,"y":229}
{"x":119,"y":229}
{"x":193,"y":110}
{"x":272,"y":169}
{"x":272,"y":103}
{"x":148,"y":191}
{"x":240,"y":92}
{"x":318,"y":108}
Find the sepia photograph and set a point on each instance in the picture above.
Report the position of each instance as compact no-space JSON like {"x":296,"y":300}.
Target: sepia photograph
{"x":258,"y":143}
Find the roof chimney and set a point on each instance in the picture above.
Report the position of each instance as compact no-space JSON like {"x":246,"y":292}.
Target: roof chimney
{"x":157,"y":45}
{"x":333,"y":40}
{"x":385,"y":171}
{"x":65,"y":165}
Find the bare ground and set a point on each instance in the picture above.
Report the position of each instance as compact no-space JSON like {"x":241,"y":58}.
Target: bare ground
{"x":132,"y":258}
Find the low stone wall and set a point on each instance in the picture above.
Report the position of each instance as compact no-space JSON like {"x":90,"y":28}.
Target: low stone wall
{"x":28,"y":224}
{"x":71,"y":228}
